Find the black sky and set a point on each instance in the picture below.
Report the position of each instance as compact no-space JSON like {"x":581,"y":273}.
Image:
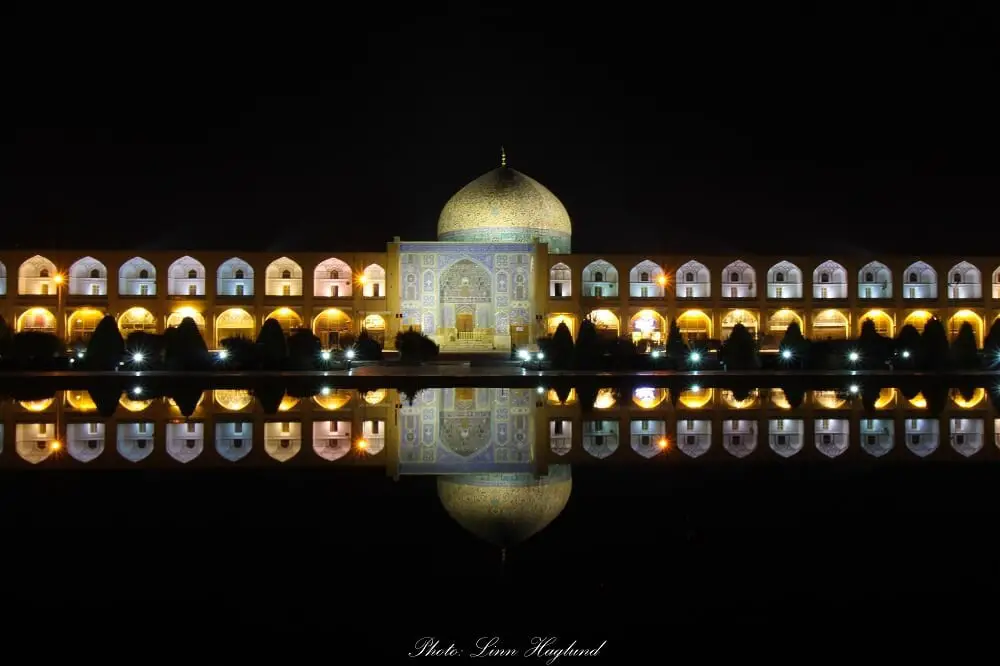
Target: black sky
{"x":860,"y":129}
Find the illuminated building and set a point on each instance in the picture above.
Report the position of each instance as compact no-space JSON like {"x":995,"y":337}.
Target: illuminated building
{"x":502,"y":272}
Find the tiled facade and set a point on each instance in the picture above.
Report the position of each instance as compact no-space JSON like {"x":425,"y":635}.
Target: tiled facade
{"x":67,"y":293}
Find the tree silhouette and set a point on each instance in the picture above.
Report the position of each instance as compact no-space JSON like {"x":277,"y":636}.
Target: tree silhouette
{"x":964,"y":351}
{"x":272,"y":348}
{"x":739,"y":352}
{"x":561,"y":348}
{"x":106,"y":347}
{"x":934,"y":351}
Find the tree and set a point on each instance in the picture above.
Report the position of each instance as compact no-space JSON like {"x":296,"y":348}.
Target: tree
{"x":934,"y":351}
{"x":964,"y":351}
{"x":241,"y":352}
{"x":873,"y":347}
{"x":272,"y":348}
{"x":794,"y":342}
{"x":739,"y":352}
{"x":908,"y":346}
{"x":35,"y":350}
{"x":676,"y":349}
{"x":414,"y":347}
{"x":367,"y":348}
{"x":6,"y":338}
{"x":991,"y":346}
{"x":185,"y":348}
{"x":304,"y":349}
{"x":106,"y":347}
{"x":561,"y":348}
{"x":588,"y":350}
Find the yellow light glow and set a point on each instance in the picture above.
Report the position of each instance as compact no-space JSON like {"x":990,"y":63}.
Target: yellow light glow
{"x":333,"y":400}
{"x":919,"y":401}
{"x":648,"y":397}
{"x":696,"y":399}
{"x":374,"y":397}
{"x":885,"y":398}
{"x":730,"y":399}
{"x":918,"y":319}
{"x":828,"y":399}
{"x":58,"y":278}
{"x":663,"y":443}
{"x":662,"y":280}
{"x":553,"y":397}
{"x":55,"y":445}
{"x":362,"y":279}
{"x":605,"y":399}
{"x":232,"y":400}
{"x":187,"y":311}
{"x":878,"y":317}
{"x":605,"y":319}
{"x":779,"y":399}
{"x":80,"y":401}
{"x":977,"y":397}
{"x":287,"y":403}
{"x":362,"y":444}
{"x":37,"y":405}
{"x":134,"y":405}
{"x":49,"y":318}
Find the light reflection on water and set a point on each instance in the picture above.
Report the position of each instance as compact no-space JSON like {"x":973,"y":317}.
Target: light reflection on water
{"x":475,"y":430}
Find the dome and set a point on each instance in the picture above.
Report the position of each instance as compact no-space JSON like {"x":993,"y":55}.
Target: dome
{"x":506,"y":509}
{"x":506,"y":206}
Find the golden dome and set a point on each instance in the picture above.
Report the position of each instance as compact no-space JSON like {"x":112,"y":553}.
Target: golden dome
{"x":506,"y":509}
{"x":506,"y":206}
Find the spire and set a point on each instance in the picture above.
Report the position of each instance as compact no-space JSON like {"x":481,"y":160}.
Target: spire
{"x":503,"y":157}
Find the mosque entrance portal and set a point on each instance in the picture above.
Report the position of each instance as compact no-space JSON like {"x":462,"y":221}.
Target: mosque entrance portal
{"x":464,"y":322}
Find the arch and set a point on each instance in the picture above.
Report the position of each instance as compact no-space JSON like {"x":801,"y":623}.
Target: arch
{"x":373,"y":281}
{"x":874,"y":281}
{"x":695,"y":326}
{"x":829,"y":280}
{"x":88,"y":277}
{"x":333,"y":278}
{"x":135,"y":440}
{"x":605,"y":399}
{"x":647,"y":325}
{"x":137,"y":319}
{"x":374,"y":326}
{"x":234,"y":323}
{"x":36,"y":406}
{"x":646,"y":280}
{"x":829,"y":399}
{"x":965,"y":281}
{"x":287,"y":317}
{"x":34,"y":442}
{"x":374,"y":397}
{"x":283,"y":277}
{"x":600,"y":279}
{"x":82,"y":323}
{"x":332,"y":399}
{"x":729,"y":398}
{"x":81,"y":401}
{"x":234,"y":278}
{"x":962,"y":316}
{"x":648,"y":397}
{"x":920,"y":281}
{"x":556,"y":319}
{"x":739,"y":280}
{"x":3,"y":279}
{"x":606,"y":322}
{"x":883,"y":322}
{"x":693,"y":280}
{"x":181,"y":314}
{"x":831,"y":325}
{"x":232,"y":400}
{"x":885,"y":398}
{"x":137,"y":277}
{"x":36,"y":277}
{"x":560,"y":281}
{"x":331,"y":439}
{"x":696,"y":398}
{"x":779,"y":322}
{"x":37,"y":320}
{"x":918,"y":319}
{"x":331,"y":325}
{"x":85,"y":441}
{"x":978,"y":395}
{"x":186,"y":277}
{"x":784,"y":280}
{"x":745,"y":317}
{"x":133,"y":405}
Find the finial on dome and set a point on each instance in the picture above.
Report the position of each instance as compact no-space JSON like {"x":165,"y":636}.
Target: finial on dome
{"x":503,"y":157}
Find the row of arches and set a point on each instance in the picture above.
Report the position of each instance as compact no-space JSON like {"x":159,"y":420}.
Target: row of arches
{"x":699,"y":325}
{"x":784,"y":280}
{"x":332,"y":278}
{"x":328,"y":325}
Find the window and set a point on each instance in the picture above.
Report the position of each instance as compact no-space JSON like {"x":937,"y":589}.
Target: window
{"x":913,"y":424}
{"x":43,"y":429}
{"x":598,"y":276}
{"x":95,"y":274}
{"x":376,"y":289}
{"x":92,"y":428}
{"x":644,"y":425}
{"x":824,"y":277}
{"x":777,"y":292}
{"x":869,"y":277}
{"x":869,"y":424}
{"x":688,"y":292}
{"x":335,"y":291}
{"x":913,"y":292}
{"x":45,"y":289}
{"x":599,"y":440}
{"x":558,"y":290}
{"x":644,"y":277}
{"x":871,"y":440}
{"x":192,"y":274}
{"x":375,"y":426}
{"x":141,"y":427}
{"x":334,"y":275}
{"x":733,"y":292}
{"x":143,"y":274}
{"x":822,"y":292}
{"x":191,"y":427}
{"x":95,"y":290}
{"x":44,"y":273}
{"x":286,"y":275}
{"x":643,"y":292}
{"x":959,"y":439}
{"x":192,"y":290}
{"x":598,"y":292}
{"x":557,"y":427}
{"x":824,"y":424}
{"x":868,"y":292}
{"x":144,"y":290}
{"x":957,"y":277}
{"x":286,"y":290}
{"x":780,"y":425}
{"x":690,"y":424}
{"x":644,"y":440}
{"x":913,"y":277}
{"x":238,"y":427}
{"x":238,"y":274}
{"x":779,"y":277}
{"x":734,"y":277}
{"x":286,"y":428}
{"x":827,"y":439}
{"x":782,"y":439}
{"x":239,"y":290}
{"x":735,"y":440}
{"x":689,"y":277}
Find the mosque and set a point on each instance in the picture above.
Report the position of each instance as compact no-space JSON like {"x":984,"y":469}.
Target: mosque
{"x":501,"y":273}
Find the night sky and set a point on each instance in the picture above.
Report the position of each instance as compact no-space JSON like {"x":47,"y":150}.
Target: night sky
{"x":680,"y":132}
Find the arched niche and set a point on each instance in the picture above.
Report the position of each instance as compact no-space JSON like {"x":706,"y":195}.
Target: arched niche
{"x":560,"y":281}
{"x":333,"y":278}
{"x":373,"y":281}
{"x":647,"y":280}
{"x":745,"y":317}
{"x":830,"y":281}
{"x":920,"y":281}
{"x":965,"y":282}
{"x":137,"y":277}
{"x":331,"y":325}
{"x":784,"y":280}
{"x":186,"y":277}
{"x":289,"y":319}
{"x":88,"y":277}
{"x":234,"y":278}
{"x":739,"y":280}
{"x":600,"y":279}
{"x":37,"y":277}
{"x":693,"y":280}
{"x":137,"y":319}
{"x":283,"y":277}
{"x":874,"y":281}
{"x":234,"y":323}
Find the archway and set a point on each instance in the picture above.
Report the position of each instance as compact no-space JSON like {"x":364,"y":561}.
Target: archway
{"x":648,"y":397}
{"x":606,"y":323}
{"x":779,"y":322}
{"x":695,"y":326}
{"x":137,"y":277}
{"x":288,"y":318}
{"x":693,"y":280}
{"x":829,"y":281}
{"x":874,"y":281}
{"x":739,"y":280}
{"x":647,"y":280}
{"x":137,"y":319}
{"x":920,"y":281}
{"x":831,"y":325}
{"x":283,"y":277}
{"x":82,"y":324}
{"x":883,"y":322}
{"x":467,"y":301}
{"x":733,"y":317}
{"x":965,"y":281}
{"x":330,"y":326}
{"x":88,"y":277}
{"x":234,"y":278}
{"x":555,"y":320}
{"x":373,"y":281}
{"x":37,"y":277}
{"x":234,"y":323}
{"x":918,"y":319}
{"x":38,"y":320}
{"x":333,"y":278}
{"x":961,"y":317}
{"x":784,"y":280}
{"x":186,"y":277}
{"x":600,"y":280}
{"x":374,"y":325}
{"x":647,"y":325}
{"x":560,"y":281}
{"x":180,"y":315}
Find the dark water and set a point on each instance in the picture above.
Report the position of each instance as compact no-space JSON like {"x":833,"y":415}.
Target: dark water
{"x":327,"y":521}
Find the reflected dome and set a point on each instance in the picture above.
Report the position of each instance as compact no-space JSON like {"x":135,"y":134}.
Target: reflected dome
{"x":506,"y":509}
{"x":332,"y":399}
{"x":374,"y":397}
{"x":80,"y":401}
{"x":648,"y":397}
{"x":37,"y":405}
{"x":233,"y":399}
